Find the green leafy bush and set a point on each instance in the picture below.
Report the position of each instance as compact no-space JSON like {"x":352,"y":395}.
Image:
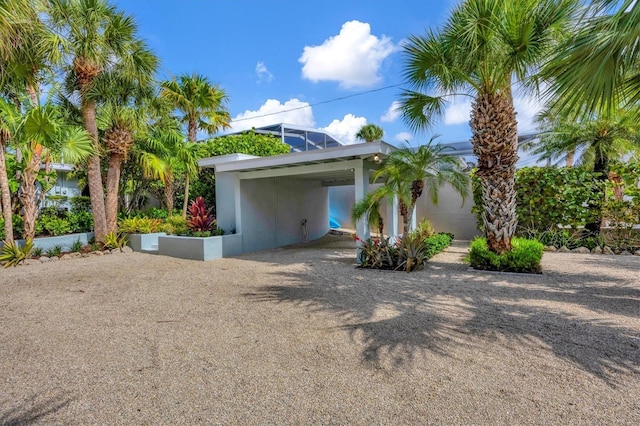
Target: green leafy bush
{"x":80,"y":221}
{"x":525,"y":257}
{"x":76,"y":246}
{"x":18,"y":227}
{"x":52,"y":225}
{"x":114,"y":240}
{"x":174,"y":225}
{"x":437,"y":243}
{"x":139,"y":225}
{"x":80,"y":204}
{"x":156,"y":213}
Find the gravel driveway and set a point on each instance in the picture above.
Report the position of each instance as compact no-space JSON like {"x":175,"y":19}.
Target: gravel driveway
{"x":298,"y":335}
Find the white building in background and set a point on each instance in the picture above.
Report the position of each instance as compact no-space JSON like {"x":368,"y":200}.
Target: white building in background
{"x":284,"y":199}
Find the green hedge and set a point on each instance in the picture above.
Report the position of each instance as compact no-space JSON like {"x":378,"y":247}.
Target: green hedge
{"x":437,"y":243}
{"x":524,"y":258}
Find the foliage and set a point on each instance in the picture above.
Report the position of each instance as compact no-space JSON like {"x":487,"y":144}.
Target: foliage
{"x":424,"y":228}
{"x":52,"y":225}
{"x":409,"y":254}
{"x":80,"y":204}
{"x":139,"y":225}
{"x":36,"y":252}
{"x":156,"y":213}
{"x":174,"y":225}
{"x":80,"y":221}
{"x":525,"y":257}
{"x":76,"y":246}
{"x":54,"y":251}
{"x":199,"y":217}
{"x":437,"y":243}
{"x":18,"y":226}
{"x":12,"y":254}
{"x":622,"y":215}
{"x":249,"y":142}
{"x":370,"y":133}
{"x":115,"y":240}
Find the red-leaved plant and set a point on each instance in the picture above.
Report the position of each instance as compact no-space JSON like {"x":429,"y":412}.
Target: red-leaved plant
{"x":199,"y":219}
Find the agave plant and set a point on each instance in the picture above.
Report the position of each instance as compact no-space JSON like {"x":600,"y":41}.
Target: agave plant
{"x":12,"y":254}
{"x":200,"y":220}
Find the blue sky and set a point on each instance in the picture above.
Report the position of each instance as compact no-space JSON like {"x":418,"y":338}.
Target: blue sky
{"x":282,"y":54}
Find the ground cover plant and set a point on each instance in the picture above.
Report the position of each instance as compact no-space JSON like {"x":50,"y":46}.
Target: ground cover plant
{"x":525,"y":257}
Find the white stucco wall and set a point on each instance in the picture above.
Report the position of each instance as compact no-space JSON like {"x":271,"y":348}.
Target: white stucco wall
{"x":272,"y":210}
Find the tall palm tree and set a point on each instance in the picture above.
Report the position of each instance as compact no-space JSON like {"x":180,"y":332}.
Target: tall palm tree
{"x":9,"y":124}
{"x":370,"y":133}
{"x":98,"y":38}
{"x":598,"y":69}
{"x":202,"y":106}
{"x":122,"y":115}
{"x":483,"y":49}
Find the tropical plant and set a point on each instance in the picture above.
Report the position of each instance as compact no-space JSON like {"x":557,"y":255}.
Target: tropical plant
{"x":599,"y":142}
{"x":525,"y":257}
{"x":115,"y":240}
{"x":96,"y":38}
{"x":484,"y":48}
{"x":202,"y":107}
{"x":76,"y":246}
{"x":139,"y":225}
{"x":200,"y":218}
{"x":598,"y":69}
{"x":370,"y":133}
{"x":54,"y":251}
{"x":12,"y":254}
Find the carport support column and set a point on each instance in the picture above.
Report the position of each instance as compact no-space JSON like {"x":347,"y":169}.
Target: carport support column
{"x":361,"y":189}
{"x":392,"y":217}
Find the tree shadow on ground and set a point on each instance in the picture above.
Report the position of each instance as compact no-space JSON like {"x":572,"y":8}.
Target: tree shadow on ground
{"x":398,"y":316}
{"x":32,"y":410}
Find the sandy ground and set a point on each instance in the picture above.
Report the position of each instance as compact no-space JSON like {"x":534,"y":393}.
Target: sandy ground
{"x":298,"y":336}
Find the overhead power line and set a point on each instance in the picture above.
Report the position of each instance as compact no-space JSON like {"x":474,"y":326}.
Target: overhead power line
{"x":317,"y":103}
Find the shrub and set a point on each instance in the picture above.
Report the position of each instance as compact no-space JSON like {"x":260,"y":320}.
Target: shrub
{"x":12,"y":254}
{"x":200,"y":219}
{"x":18,"y":227}
{"x":525,"y":256}
{"x":437,"y":243}
{"x":139,"y":225}
{"x":156,"y":213}
{"x":52,"y":225}
{"x":80,"y":204}
{"x":80,"y":221}
{"x":174,"y":225}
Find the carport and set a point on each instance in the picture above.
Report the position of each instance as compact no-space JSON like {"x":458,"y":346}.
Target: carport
{"x":276,"y":201}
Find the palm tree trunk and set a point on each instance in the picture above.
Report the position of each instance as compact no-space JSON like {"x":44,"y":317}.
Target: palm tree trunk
{"x":570,"y":158}
{"x":6,"y":197}
{"x":169,"y":192}
{"x":94,"y":175}
{"x":601,"y":172}
{"x":495,"y":143}
{"x":185,"y":204}
{"x":28,"y":196}
{"x":192,"y":130}
{"x":113,"y":183}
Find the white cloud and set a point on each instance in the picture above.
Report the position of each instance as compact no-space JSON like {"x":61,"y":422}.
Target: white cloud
{"x":403,"y":137}
{"x":345,"y":130}
{"x":392,"y":113}
{"x":272,"y":111}
{"x":263,"y":73}
{"x":352,"y":58}
{"x":527,"y":108}
{"x":457,"y":113}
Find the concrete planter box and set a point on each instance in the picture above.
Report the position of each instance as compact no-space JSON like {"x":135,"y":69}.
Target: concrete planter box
{"x":64,"y":241}
{"x":197,"y":248}
{"x":144,"y":242}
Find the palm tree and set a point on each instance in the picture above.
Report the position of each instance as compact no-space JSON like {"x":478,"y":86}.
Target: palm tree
{"x":370,"y":133}
{"x":484,"y":48}
{"x":42,"y":133}
{"x":202,"y":107}
{"x":9,"y":124}
{"x":598,"y":69}
{"x":98,"y":38}
{"x":122,"y":115}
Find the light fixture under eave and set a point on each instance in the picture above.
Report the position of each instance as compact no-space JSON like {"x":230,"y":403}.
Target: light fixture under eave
{"x":376,"y":158}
